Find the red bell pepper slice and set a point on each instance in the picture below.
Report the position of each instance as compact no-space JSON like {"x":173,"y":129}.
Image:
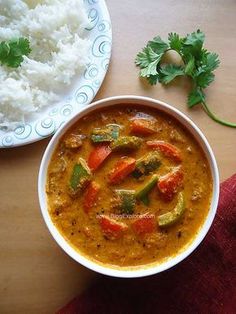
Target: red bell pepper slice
{"x":144,"y":224}
{"x":121,"y":170}
{"x":112,"y":228}
{"x":142,"y":127}
{"x":98,"y":155}
{"x":91,"y":196}
{"x":167,"y":149}
{"x":169,"y":184}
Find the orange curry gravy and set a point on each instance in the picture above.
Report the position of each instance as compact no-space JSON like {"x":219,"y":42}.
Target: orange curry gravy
{"x":137,"y":243}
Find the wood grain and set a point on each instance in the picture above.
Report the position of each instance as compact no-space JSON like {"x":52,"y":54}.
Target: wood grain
{"x":35,"y":274}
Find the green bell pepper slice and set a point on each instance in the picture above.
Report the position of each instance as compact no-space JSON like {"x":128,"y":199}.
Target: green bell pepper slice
{"x":174,"y":215}
{"x":81,"y":176}
{"x":126,"y":142}
{"x":107,"y":134}
{"x":126,"y":201}
{"x":142,"y":193}
{"x":147,"y":164}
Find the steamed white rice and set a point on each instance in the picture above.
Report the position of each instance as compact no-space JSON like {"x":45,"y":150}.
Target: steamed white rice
{"x":55,"y":29}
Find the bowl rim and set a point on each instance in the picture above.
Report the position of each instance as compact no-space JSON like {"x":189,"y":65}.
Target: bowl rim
{"x":139,"y":271}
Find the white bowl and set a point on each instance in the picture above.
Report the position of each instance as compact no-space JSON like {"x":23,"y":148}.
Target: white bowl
{"x":139,"y":271}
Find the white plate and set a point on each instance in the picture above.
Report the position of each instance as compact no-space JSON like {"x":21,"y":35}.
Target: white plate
{"x":82,"y":90}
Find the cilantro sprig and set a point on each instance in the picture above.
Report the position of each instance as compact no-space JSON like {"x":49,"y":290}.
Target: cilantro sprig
{"x":12,"y":51}
{"x":198,"y":65}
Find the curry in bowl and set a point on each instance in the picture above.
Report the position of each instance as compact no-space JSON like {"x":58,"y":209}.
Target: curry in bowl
{"x":128,"y":186}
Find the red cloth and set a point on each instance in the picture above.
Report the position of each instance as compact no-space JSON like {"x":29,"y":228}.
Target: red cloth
{"x":204,"y":283}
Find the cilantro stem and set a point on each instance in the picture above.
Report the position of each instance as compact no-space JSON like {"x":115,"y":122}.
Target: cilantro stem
{"x":215,"y":118}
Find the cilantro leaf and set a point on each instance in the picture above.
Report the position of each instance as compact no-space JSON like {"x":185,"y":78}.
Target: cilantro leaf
{"x":175,"y":41}
{"x":151,"y":69}
{"x":4,"y":50}
{"x":24,"y":46}
{"x":153,"y":79}
{"x":190,"y":66}
{"x":158,"y":45}
{"x":211,"y":62}
{"x":204,"y":79}
{"x":195,"y":97}
{"x":195,"y":39}
{"x":148,"y":61}
{"x":145,"y":57}
{"x":12,"y":52}
{"x":149,"y":58}
{"x":14,"y":61}
{"x":169,"y":72}
{"x":192,"y":44}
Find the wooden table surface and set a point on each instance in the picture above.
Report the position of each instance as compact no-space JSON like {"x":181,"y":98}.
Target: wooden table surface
{"x":36,"y":276}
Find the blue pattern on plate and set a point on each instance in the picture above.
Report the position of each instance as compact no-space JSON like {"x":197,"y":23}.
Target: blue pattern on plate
{"x":87,"y":85}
